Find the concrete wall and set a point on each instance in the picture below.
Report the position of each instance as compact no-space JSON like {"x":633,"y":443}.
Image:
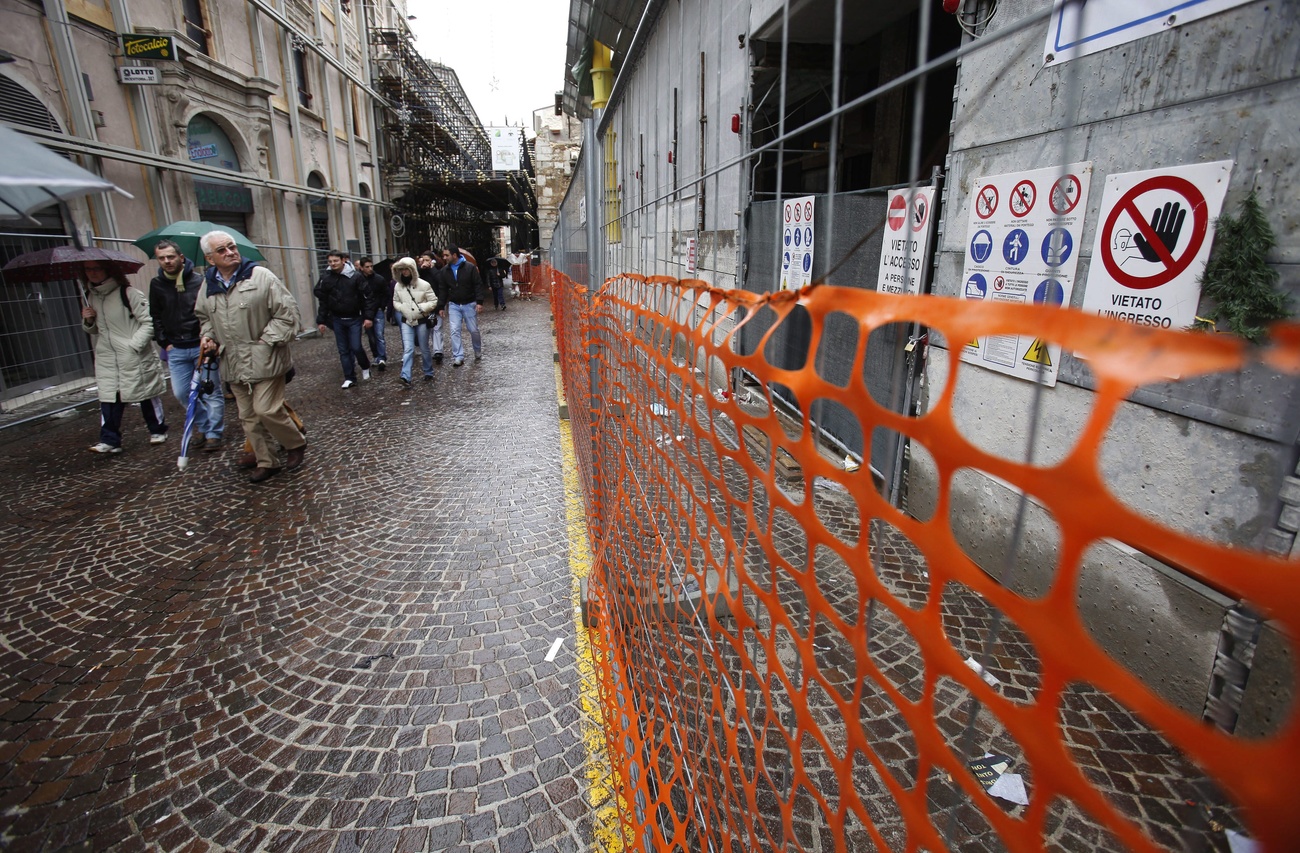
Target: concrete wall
{"x":1202,"y":458}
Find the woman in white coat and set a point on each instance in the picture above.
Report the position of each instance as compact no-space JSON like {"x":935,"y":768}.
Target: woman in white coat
{"x":127,"y":369}
{"x":415,"y":302}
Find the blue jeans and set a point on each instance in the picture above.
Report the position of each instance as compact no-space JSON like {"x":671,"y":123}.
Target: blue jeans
{"x":378,"y":348}
{"x":410,"y":336}
{"x":347,"y":334}
{"x":467,"y":315}
{"x":210,"y":411}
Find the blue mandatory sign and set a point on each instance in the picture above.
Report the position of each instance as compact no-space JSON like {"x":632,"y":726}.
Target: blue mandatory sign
{"x":1058,"y":245}
{"x":976,"y":286}
{"x":1015,"y":246}
{"x":1049,"y":292}
{"x":807,"y":237}
{"x":787,"y":236}
{"x":981,"y":246}
{"x":787,"y":260}
{"x":798,"y":237}
{"x":807,"y":263}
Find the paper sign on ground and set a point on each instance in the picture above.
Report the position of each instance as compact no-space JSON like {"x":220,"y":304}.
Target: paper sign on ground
{"x":905,"y":244}
{"x":1023,"y":238}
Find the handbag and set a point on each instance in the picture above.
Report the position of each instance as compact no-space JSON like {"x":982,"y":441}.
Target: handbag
{"x":431,"y":321}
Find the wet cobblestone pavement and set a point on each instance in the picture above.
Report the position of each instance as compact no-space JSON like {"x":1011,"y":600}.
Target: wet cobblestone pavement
{"x":349,"y":656}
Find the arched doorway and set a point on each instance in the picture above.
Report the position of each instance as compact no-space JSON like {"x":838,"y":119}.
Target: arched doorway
{"x":224,"y":203}
{"x":320,"y":221}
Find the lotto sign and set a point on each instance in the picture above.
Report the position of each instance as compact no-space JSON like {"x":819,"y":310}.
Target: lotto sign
{"x":904,"y":252}
{"x":1024,"y":229}
{"x":1153,"y":239}
{"x":797,"y":242}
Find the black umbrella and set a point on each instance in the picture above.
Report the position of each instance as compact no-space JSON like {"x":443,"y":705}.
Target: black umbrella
{"x":61,"y":263}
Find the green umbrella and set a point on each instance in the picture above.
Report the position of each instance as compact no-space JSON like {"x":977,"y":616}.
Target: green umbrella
{"x":186,"y":234}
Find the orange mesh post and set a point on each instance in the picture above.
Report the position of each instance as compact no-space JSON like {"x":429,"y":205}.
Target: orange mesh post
{"x":782,"y":652}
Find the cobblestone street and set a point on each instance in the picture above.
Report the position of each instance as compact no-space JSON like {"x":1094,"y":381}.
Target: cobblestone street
{"x":349,"y":656}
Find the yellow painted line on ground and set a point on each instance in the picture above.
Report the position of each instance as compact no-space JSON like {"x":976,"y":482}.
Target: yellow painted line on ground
{"x":602,"y":791}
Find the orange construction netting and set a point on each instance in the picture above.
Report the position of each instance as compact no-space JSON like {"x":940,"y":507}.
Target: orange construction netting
{"x":787,"y":661}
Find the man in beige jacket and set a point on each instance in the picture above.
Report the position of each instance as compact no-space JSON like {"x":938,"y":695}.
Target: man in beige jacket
{"x":249,"y":317}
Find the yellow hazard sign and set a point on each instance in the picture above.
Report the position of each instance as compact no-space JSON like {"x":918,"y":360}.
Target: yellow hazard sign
{"x":1037,"y":353}
{"x":974,"y":343}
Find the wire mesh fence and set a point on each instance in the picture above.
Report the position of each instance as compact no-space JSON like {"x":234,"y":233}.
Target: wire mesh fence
{"x":789,"y":661}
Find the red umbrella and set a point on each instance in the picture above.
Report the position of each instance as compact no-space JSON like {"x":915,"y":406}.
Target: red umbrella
{"x":62,"y":263}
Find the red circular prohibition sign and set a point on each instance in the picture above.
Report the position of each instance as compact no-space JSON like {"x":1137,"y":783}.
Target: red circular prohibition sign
{"x":1173,"y":266}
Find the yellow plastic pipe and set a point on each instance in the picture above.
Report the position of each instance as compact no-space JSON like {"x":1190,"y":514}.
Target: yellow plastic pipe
{"x":602,"y":75}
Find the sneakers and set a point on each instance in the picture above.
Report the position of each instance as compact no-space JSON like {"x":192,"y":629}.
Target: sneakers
{"x":347,"y":383}
{"x":458,"y":362}
{"x":381,"y":364}
{"x":103,"y":447}
{"x":157,"y":437}
{"x":405,"y":380}
{"x":365,"y":374}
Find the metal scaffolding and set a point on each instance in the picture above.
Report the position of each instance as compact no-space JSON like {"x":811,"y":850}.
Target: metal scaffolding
{"x":438,"y":161}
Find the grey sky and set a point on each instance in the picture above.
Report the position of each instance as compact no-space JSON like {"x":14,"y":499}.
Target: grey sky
{"x":508,"y":54}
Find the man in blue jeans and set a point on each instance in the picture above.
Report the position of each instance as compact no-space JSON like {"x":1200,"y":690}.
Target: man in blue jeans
{"x":381,"y":288}
{"x":465,"y":293}
{"x":345,"y":303}
{"x":171,"y":305}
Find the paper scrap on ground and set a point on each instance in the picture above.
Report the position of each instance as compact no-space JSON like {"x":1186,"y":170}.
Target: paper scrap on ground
{"x":989,"y":768}
{"x":555,"y":648}
{"x":1010,"y":787}
{"x":1239,"y":843}
{"x":989,"y":678}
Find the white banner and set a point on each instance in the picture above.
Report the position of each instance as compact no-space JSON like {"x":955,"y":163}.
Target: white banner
{"x":1078,"y":29}
{"x":506,"y":144}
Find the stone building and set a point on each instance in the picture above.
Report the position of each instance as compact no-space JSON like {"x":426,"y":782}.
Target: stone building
{"x":555,"y":155}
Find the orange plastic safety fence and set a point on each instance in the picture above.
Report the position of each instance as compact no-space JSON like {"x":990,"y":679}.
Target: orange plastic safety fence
{"x":783,"y":653}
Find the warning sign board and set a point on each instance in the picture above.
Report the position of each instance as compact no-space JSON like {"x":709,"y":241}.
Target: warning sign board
{"x":1024,"y":250}
{"x":904,"y":251}
{"x":797,"y":242}
{"x":1153,"y":238}
{"x":1109,"y":23}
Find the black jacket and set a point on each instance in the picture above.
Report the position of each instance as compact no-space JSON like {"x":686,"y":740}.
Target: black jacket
{"x":172,"y":310}
{"x":464,"y":287}
{"x":381,"y":289}
{"x":344,"y":295}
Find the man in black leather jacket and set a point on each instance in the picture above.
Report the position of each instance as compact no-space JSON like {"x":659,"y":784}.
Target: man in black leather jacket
{"x":345,"y":303}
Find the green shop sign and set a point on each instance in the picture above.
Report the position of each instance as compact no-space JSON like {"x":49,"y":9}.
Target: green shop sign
{"x":148,"y":46}
{"x":223,"y":198}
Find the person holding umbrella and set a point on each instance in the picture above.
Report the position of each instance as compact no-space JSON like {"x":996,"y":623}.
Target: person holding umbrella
{"x":116,"y":316}
{"x":248,"y":316}
{"x":172,"y":295}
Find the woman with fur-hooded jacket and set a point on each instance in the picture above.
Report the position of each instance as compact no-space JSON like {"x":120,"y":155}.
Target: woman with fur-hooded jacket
{"x":414,"y":301}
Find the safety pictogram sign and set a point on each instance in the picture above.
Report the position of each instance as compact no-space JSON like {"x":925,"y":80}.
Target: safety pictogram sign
{"x":1038,"y":353}
{"x":905,"y":252}
{"x":1153,"y":239}
{"x":1023,"y":196}
{"x":797,"y":262}
{"x":920,"y":211}
{"x":1024,"y":250}
{"x":897,"y":212}
{"x":1065,"y":194}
